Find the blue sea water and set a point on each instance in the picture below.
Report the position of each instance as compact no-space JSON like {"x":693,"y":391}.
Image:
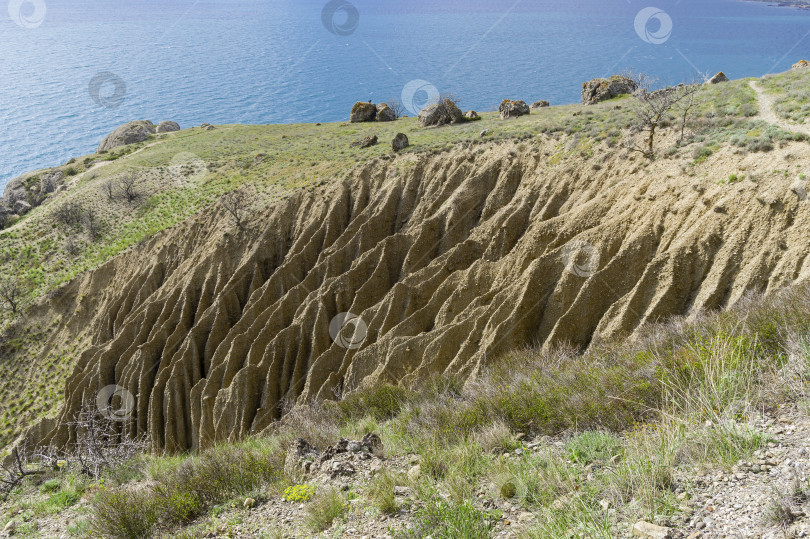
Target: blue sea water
{"x":270,"y":61}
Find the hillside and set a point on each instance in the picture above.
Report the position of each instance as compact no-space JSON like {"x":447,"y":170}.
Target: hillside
{"x":479,"y":240}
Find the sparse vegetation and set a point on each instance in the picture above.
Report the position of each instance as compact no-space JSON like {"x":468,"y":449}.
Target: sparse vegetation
{"x":627,"y":412}
{"x":324,"y":508}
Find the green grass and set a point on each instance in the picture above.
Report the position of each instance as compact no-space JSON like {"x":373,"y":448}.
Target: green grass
{"x":790,"y":90}
{"x":443,"y":520}
{"x":328,"y":505}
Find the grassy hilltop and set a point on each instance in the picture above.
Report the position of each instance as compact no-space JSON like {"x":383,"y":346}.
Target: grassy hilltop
{"x":545,"y":442}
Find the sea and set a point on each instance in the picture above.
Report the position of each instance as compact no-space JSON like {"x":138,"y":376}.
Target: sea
{"x":73,"y":70}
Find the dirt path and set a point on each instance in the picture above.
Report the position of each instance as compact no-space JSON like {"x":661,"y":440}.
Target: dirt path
{"x":768,"y":113}
{"x":97,"y":166}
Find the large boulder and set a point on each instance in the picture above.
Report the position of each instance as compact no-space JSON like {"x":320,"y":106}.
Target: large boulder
{"x":472,"y":116}
{"x":21,"y":207}
{"x":720,"y":77}
{"x":168,"y":127}
{"x":385,"y":113}
{"x":129,"y":133}
{"x":801,"y":64}
{"x":513,"y":109}
{"x":597,"y":90}
{"x":400,"y":142}
{"x":540,"y":104}
{"x":15,"y":190}
{"x":363,"y":112}
{"x":50,"y":181}
{"x":442,"y":113}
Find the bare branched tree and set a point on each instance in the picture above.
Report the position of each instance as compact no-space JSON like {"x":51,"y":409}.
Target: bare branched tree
{"x":396,"y":105}
{"x":14,"y":474}
{"x":686,"y":109}
{"x":108,"y":188}
{"x":653,"y":109}
{"x":12,"y":293}
{"x":129,"y":189}
{"x":69,"y":214}
{"x":236,"y":204}
{"x":101,"y":444}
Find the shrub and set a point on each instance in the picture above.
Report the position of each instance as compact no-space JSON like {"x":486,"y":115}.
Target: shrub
{"x":593,"y":446}
{"x":324,"y":508}
{"x":381,"y":402}
{"x":443,"y":520}
{"x":299,"y":493}
{"x":701,"y":153}
{"x":381,"y":492}
{"x":124,"y":514}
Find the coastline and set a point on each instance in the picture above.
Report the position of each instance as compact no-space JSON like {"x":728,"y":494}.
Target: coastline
{"x":800,"y":4}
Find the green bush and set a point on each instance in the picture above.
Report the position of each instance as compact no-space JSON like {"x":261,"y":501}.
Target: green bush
{"x":444,"y":520}
{"x":324,"y":508}
{"x":593,"y":446}
{"x":124,"y":514}
{"x":381,"y":402}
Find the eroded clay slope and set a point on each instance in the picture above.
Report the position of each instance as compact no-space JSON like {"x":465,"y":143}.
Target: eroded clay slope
{"x":450,"y":260}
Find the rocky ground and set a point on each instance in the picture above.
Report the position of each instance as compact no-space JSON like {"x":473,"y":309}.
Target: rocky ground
{"x":767,"y":496}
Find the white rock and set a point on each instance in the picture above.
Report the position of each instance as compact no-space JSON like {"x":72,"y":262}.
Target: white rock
{"x":650,"y":531}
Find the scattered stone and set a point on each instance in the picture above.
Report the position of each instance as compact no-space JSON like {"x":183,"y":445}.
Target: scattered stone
{"x":249,"y":503}
{"x":10,"y":528}
{"x":540,"y":104}
{"x":385,"y":113}
{"x":402,"y":491}
{"x":484,"y":133}
{"x":560,"y":503}
{"x":363,"y":112}
{"x":605,"y":504}
{"x":400,"y":142}
{"x":443,"y":113}
{"x":341,"y":469}
{"x":525,"y":516}
{"x":354,"y":447}
{"x":168,"y":127}
{"x":366,"y":142}
{"x":718,"y":78}
{"x":414,"y":472}
{"x":209,"y":127}
{"x":129,"y":133}
{"x":372,"y":442}
{"x":650,"y":531}
{"x":597,"y":90}
{"x":472,"y":116}
{"x":513,"y":109}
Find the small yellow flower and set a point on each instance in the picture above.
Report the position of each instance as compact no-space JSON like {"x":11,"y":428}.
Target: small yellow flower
{"x":61,"y":463}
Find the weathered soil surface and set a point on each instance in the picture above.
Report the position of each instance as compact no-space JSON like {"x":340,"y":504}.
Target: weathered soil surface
{"x":449,"y":260}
